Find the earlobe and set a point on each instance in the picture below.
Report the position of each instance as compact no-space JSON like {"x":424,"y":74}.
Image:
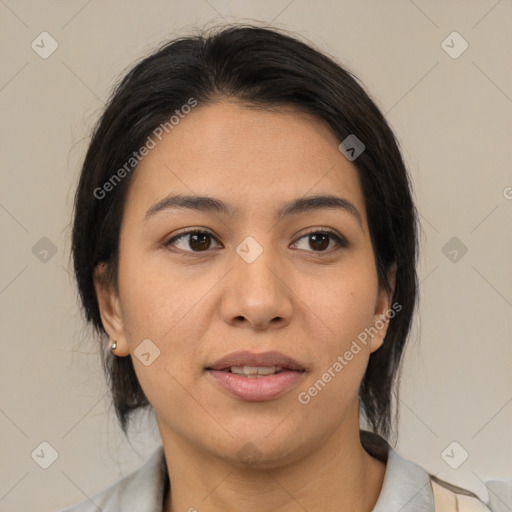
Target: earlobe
{"x":382,"y":310}
{"x":110,"y":310}
{"x":379,"y":329}
{"x":376,"y":342}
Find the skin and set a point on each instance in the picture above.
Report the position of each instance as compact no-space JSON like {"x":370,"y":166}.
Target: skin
{"x":293,"y":298}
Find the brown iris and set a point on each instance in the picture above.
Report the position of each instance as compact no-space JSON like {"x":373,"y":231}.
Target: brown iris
{"x":319,"y":241}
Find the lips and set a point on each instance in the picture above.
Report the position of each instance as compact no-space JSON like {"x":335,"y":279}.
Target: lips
{"x":256,"y":377}
{"x":250,"y":359}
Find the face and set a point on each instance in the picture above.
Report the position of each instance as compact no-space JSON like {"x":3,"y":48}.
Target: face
{"x":303,"y":284}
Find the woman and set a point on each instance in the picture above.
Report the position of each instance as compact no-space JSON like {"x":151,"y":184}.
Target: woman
{"x":244,"y":234}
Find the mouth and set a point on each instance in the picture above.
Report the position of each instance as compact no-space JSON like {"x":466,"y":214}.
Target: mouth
{"x":256,"y":377}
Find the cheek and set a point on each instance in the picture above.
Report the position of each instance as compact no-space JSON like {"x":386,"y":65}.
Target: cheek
{"x":346,"y":310}
{"x":157,"y":309}
{"x":164,"y":306}
{"x":345,"y":302}
{"x":343,"y":307}
{"x":155,"y":299}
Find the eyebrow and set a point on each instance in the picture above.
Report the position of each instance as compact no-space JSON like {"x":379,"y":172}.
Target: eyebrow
{"x":212,"y":205}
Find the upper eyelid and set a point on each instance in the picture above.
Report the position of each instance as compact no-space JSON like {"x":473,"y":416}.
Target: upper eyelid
{"x":191,"y":232}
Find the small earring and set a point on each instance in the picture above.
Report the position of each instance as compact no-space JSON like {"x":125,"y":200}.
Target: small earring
{"x":113,"y":346}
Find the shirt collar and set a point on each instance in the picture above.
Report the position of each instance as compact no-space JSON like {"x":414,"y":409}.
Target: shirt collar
{"x":406,"y":486}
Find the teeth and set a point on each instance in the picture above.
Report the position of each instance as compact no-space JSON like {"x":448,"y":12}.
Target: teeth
{"x":255,"y":371}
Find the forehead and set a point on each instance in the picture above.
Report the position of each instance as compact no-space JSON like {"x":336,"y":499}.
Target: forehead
{"x":249,"y":157}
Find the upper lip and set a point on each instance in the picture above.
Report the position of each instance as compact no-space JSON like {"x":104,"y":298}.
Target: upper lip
{"x":246,"y":358}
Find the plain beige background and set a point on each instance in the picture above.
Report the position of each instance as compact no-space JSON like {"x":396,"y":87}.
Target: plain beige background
{"x":453,"y":119}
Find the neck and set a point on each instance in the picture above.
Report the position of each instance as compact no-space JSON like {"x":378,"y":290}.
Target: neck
{"x":338,"y":475}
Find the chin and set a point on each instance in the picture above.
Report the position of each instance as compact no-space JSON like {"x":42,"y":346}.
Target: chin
{"x":253,"y":450}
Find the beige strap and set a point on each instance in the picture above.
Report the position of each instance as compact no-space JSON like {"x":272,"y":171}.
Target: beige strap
{"x":448,"y":501}
{"x":471,"y":504}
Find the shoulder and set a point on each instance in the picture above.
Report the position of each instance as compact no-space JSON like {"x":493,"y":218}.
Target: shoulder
{"x":140,"y":491}
{"x":107,"y":500}
{"x":408,"y":487}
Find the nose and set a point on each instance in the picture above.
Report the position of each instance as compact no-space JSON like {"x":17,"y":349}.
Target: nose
{"x":256,"y":291}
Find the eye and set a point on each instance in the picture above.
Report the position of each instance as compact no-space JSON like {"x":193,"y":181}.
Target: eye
{"x":320,"y":239}
{"x":198,"y":241}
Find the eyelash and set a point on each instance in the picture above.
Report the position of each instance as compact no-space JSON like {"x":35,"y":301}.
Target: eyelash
{"x":340,"y":240}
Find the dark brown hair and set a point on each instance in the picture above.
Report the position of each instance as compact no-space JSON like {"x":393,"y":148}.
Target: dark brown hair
{"x":264,"y":68}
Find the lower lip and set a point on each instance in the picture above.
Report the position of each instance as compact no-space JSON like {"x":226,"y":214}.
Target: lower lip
{"x":257,"y":389}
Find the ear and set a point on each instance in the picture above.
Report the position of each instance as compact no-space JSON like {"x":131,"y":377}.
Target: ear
{"x":110,"y":309}
{"x":381,"y":315}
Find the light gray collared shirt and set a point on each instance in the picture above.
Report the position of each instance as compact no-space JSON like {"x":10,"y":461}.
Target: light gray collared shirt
{"x":406,"y":486}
